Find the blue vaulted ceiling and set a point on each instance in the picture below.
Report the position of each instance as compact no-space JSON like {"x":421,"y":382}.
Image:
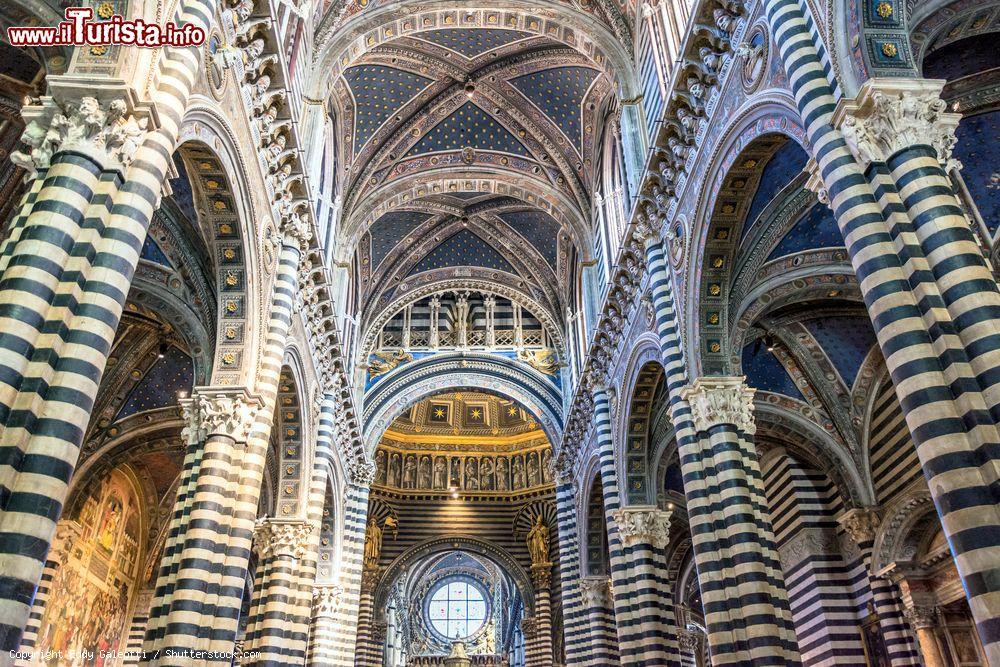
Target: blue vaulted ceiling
{"x":846,"y":341}
{"x":539,"y":228}
{"x":378,"y":93}
{"x":469,"y":126}
{"x":816,"y":229}
{"x":463,"y":249}
{"x":786,"y":163}
{"x":977,"y":149}
{"x":392,"y":228}
{"x":158,"y":389}
{"x":765,"y":372}
{"x":472,"y":42}
{"x":559,"y":93}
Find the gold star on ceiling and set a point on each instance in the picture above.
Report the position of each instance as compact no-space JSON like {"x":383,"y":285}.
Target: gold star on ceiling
{"x":439,"y":413}
{"x":476,"y":414}
{"x":511,"y":411}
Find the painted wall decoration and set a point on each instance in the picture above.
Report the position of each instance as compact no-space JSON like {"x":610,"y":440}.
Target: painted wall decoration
{"x":90,"y":597}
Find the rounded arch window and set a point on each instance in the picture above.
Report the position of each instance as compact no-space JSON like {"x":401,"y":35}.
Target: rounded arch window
{"x":457,"y":607}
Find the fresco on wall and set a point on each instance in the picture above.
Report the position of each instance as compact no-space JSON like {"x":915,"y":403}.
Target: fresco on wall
{"x":85,"y":620}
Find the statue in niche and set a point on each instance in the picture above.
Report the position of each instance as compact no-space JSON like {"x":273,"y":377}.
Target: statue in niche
{"x":456,"y":473}
{"x":486,"y":475}
{"x":394,"y":470}
{"x":518,"y":468}
{"x":538,"y":542}
{"x":373,"y":544}
{"x":546,"y":466}
{"x":440,"y":473}
{"x":471,"y":475}
{"x":410,"y":472}
{"x":533,"y":478}
{"x":380,"y":467}
{"x":424,"y":474}
{"x":501,"y":474}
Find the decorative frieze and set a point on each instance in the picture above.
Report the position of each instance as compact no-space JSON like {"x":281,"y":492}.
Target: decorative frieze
{"x":282,"y":539}
{"x":721,"y":400}
{"x":807,"y":544}
{"x":643,"y":525}
{"x":889,"y":115}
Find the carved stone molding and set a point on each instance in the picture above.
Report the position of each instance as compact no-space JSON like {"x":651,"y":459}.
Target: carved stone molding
{"x":815,"y":182}
{"x":889,"y":115}
{"x":100,"y":118}
{"x":327,"y":600}
{"x":229,"y":412}
{"x":808,"y":543}
{"x":595,"y":592}
{"x":860,"y":523}
{"x":282,"y":539}
{"x":721,"y":400}
{"x":643,"y":525}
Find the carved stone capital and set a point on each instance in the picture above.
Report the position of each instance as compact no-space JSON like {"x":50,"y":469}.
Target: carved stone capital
{"x":361,"y":472}
{"x":101,"y":118}
{"x":192,"y":431}
{"x":227,"y":411}
{"x":860,"y":523}
{"x":595,"y":592}
{"x":721,"y":400}
{"x":379,"y":631}
{"x":889,"y":115}
{"x":282,"y":539}
{"x":688,"y":640}
{"x":541,"y":575}
{"x":529,"y":626}
{"x":643,"y":525}
{"x":920,"y":616}
{"x":648,"y":226}
{"x":327,"y":600}
{"x":296,"y":230}
{"x":815,"y":182}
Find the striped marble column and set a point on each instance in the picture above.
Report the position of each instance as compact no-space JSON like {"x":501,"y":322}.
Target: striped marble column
{"x":369,"y":643}
{"x":746,"y":606}
{"x":860,"y":524}
{"x":64,"y":283}
{"x":67,"y":532}
{"x":345,"y":639}
{"x":951,"y":419}
{"x":277,"y":631}
{"x":644,"y":533}
{"x":595,"y":597}
{"x":738,"y":549}
{"x":327,"y":600}
{"x":576,"y":632}
{"x":539,"y":650}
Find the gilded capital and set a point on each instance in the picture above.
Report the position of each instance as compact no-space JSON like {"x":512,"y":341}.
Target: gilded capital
{"x":721,"y":400}
{"x":643,"y":525}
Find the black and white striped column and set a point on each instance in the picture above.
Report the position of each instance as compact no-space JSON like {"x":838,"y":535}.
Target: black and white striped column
{"x":949,"y":406}
{"x":595,"y":597}
{"x":538,"y":652}
{"x":278,"y":627}
{"x":576,"y":633}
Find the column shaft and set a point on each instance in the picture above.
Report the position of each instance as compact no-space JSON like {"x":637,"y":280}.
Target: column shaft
{"x":957,"y":446}
{"x":575,"y":622}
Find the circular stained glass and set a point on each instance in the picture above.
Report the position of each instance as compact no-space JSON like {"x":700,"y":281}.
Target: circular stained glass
{"x":456,"y":609}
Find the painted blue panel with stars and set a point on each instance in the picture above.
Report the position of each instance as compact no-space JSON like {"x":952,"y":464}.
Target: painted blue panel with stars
{"x":978,"y":139}
{"x":469,"y":126}
{"x":559,"y":92}
{"x":151,"y":252}
{"x":539,"y":228}
{"x":846,"y":341}
{"x":392,"y":228}
{"x":159,"y":387}
{"x":816,"y":229}
{"x":463,"y":249}
{"x":378,"y":93}
{"x":786,"y":163}
{"x":765,"y":372}
{"x":472,"y":42}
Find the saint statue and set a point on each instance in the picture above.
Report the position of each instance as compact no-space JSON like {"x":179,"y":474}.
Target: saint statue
{"x":373,"y":544}
{"x":501,"y":474}
{"x":424,"y":476}
{"x":518,"y":468}
{"x":538,"y":542}
{"x":440,"y":473}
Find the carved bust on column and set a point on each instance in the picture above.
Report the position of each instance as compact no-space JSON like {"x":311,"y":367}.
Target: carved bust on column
{"x":721,"y":400}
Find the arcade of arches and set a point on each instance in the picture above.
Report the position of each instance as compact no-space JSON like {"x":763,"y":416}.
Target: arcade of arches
{"x":566,"y":332}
